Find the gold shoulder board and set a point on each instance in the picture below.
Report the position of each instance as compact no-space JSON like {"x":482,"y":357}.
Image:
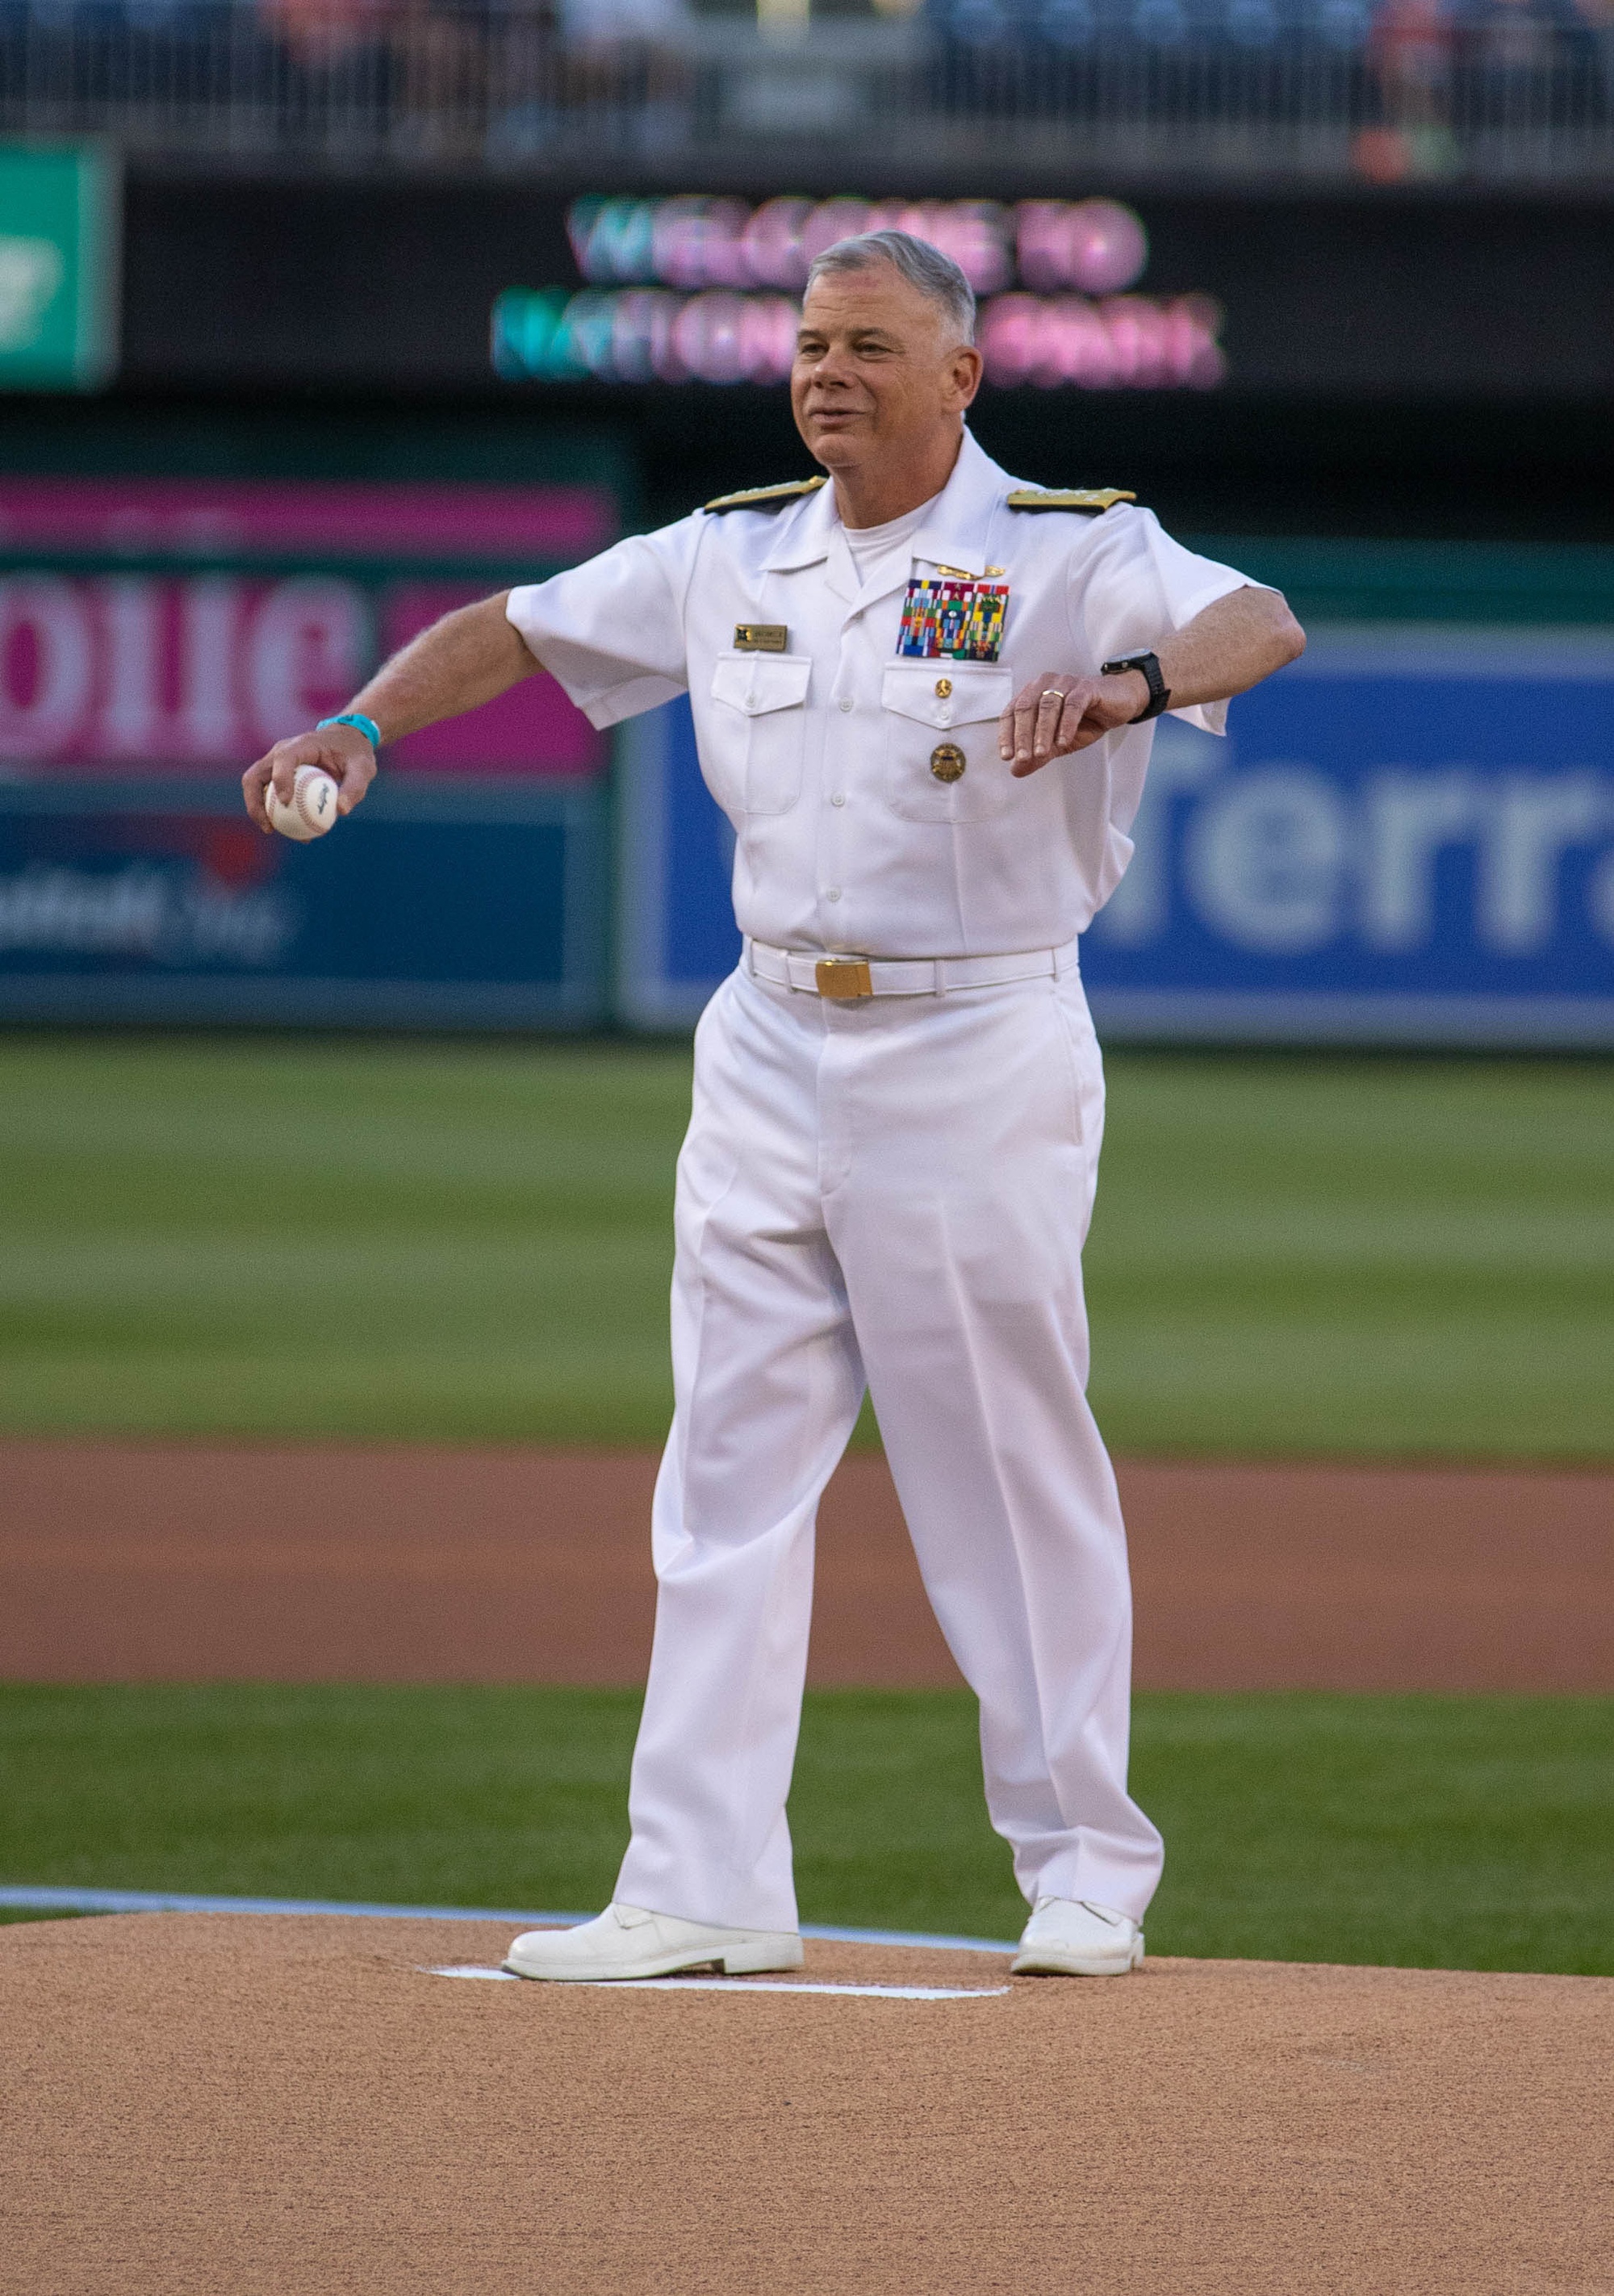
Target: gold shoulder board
{"x":768,"y":498}
{"x":1085,"y":498}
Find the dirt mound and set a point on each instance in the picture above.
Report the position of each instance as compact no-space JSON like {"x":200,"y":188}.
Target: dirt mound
{"x":291,"y":2107}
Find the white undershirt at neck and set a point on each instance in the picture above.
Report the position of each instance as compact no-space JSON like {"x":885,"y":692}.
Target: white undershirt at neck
{"x":872,"y":546}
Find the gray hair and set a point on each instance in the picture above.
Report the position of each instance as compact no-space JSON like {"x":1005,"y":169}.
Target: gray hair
{"x":934,"y":275}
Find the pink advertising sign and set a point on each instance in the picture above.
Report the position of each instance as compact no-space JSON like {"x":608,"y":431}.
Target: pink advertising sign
{"x":533,"y":719}
{"x":264,"y":520}
{"x":158,"y":666}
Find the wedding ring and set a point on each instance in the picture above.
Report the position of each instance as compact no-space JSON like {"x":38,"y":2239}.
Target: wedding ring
{"x":1050,"y":693}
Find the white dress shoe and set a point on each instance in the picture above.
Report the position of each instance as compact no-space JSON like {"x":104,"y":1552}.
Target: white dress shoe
{"x":626,"y":1941}
{"x":1071,"y":1937}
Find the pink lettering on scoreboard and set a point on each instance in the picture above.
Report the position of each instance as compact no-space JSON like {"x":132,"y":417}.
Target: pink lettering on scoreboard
{"x":161,"y":665}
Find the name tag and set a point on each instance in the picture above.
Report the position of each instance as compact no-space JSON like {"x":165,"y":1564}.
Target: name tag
{"x":761,"y":637}
{"x":953,"y":620}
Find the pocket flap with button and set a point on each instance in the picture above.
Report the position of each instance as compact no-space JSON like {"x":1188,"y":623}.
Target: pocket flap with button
{"x":757,"y":682}
{"x":975,"y":691}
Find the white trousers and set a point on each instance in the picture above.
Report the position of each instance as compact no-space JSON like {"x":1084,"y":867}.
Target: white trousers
{"x":896,"y":1189}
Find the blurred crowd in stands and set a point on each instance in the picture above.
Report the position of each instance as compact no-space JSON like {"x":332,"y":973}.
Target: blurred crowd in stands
{"x":1412,"y":83}
{"x":1414,"y":79}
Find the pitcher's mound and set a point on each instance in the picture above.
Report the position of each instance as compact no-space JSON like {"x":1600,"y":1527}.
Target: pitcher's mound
{"x":294,"y":2107}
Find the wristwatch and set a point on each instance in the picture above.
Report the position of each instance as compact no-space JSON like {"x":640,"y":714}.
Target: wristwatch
{"x":1159,"y":693}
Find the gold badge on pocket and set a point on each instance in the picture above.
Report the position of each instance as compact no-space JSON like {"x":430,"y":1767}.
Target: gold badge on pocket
{"x":761,"y":637}
{"x":947,"y":762}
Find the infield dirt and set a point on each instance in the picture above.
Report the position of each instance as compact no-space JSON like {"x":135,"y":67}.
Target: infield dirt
{"x":292,"y":2107}
{"x":151,"y":1562}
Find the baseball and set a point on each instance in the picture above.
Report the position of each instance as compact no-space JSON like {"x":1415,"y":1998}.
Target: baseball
{"x":313,"y":807}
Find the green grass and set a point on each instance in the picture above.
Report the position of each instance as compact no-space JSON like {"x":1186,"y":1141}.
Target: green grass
{"x":203,"y":1238}
{"x":1455,"y":1832}
{"x":227,"y":1236}
{"x":1355,"y":1256}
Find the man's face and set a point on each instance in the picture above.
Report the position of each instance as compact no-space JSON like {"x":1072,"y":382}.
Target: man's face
{"x":879,"y":370}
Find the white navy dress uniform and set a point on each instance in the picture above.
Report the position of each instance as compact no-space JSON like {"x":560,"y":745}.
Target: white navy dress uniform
{"x":891,"y":1186}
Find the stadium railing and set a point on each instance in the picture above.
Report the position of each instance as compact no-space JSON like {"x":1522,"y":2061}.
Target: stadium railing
{"x":1491,"y":91}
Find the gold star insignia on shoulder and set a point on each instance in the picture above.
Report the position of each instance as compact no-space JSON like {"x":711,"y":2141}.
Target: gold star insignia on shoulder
{"x":1090,"y":499}
{"x":768,"y":498}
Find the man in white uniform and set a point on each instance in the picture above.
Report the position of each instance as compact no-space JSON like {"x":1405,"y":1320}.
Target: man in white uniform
{"x":898,"y":1099}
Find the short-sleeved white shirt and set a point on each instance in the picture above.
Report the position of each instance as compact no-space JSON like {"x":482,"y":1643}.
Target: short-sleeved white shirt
{"x":821,"y":755}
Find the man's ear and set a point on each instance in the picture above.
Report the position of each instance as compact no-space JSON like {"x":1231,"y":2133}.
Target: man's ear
{"x":963,"y":376}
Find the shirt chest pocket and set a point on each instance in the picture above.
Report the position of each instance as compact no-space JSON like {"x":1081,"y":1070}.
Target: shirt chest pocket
{"x":760,"y":720}
{"x":941,"y":739}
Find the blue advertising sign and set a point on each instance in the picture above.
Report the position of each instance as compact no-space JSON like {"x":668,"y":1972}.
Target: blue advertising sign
{"x":676,"y":931}
{"x":440,"y":903}
{"x":1407,"y":836}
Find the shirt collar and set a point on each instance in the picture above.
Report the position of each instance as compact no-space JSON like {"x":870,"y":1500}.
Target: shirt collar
{"x":957,"y":532}
{"x":955,"y":535}
{"x":803,"y":536}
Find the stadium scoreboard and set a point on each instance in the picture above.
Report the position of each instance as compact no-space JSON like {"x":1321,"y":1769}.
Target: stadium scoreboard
{"x":705,"y":288}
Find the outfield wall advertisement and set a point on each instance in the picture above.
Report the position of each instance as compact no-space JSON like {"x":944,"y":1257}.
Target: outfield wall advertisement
{"x":477,"y":904}
{"x":157,"y":635}
{"x":1406,"y":837}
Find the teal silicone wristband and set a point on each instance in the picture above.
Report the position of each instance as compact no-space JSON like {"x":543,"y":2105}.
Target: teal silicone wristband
{"x":356,"y":718}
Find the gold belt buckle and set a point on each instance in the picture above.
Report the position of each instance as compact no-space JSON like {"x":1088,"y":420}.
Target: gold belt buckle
{"x":844,"y":977}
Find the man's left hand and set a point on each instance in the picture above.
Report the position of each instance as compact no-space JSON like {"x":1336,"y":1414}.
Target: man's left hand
{"x":1057,"y":713}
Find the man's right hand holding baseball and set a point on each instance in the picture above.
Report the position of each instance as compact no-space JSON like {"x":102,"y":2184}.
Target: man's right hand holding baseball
{"x":468,"y":658}
{"x":342,"y":751}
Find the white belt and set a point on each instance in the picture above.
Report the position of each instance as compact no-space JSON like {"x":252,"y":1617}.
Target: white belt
{"x":844,"y":978}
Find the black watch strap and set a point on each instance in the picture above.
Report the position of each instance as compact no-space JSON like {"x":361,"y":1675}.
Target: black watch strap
{"x":1159,"y":693}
